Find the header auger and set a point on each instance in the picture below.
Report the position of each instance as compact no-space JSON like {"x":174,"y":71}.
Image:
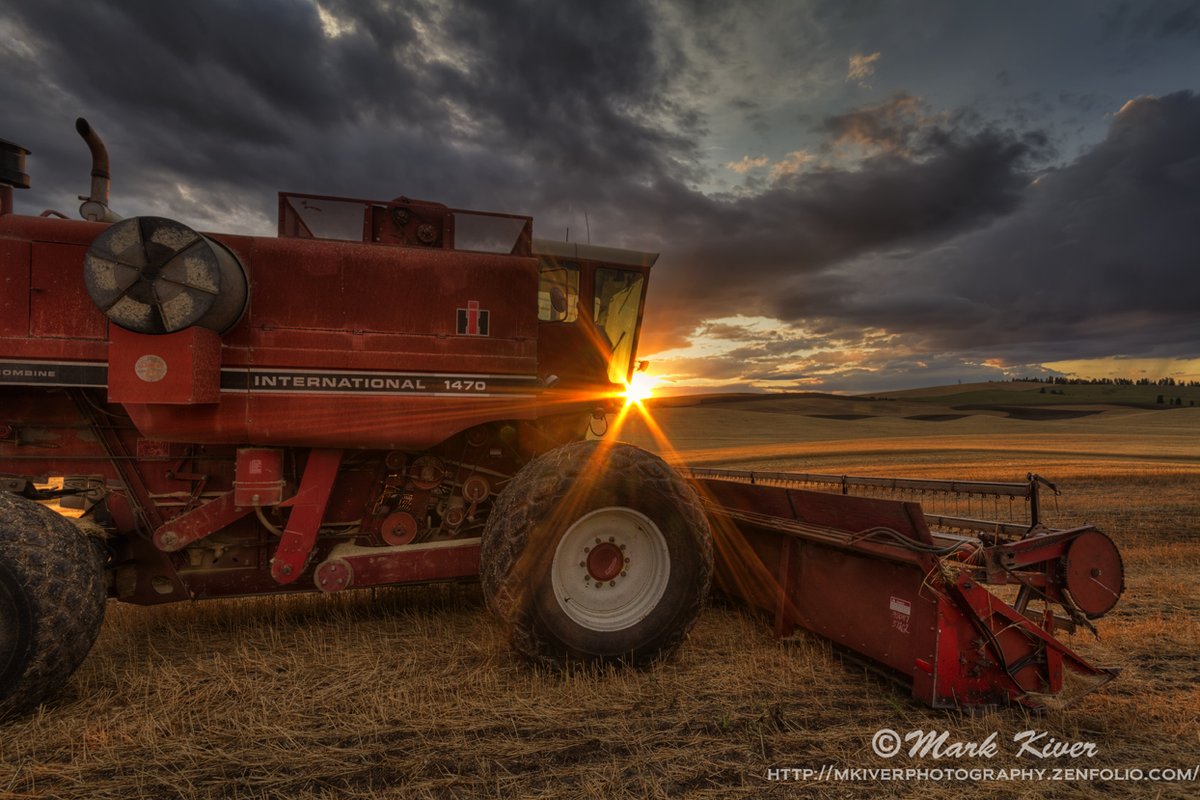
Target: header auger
{"x":395,"y":391}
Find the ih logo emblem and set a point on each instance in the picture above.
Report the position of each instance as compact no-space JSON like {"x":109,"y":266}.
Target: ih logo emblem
{"x":472,"y":320}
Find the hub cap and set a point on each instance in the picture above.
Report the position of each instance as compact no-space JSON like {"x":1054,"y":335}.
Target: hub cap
{"x":605,"y":562}
{"x":610,"y":569}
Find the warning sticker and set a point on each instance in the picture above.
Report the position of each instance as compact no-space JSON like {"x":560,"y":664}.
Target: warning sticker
{"x":901,"y":613}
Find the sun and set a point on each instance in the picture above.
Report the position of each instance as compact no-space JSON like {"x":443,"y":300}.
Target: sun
{"x":640,"y":388}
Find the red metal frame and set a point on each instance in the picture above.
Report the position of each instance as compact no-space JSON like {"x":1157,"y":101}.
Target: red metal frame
{"x":308,"y":509}
{"x":869,"y":575}
{"x":349,"y":566}
{"x":381,"y":226}
{"x":193,"y":526}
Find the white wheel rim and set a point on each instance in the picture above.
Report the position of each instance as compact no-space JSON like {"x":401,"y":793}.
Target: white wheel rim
{"x":613,"y":601}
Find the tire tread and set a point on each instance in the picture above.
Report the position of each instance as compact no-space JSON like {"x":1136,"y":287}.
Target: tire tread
{"x":61,"y":574}
{"x":531,"y":497}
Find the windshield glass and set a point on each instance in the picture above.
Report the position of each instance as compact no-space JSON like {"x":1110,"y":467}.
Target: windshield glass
{"x":618,"y":300}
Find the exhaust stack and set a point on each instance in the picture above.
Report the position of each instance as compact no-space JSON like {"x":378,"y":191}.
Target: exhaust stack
{"x":12,"y":173}
{"x":95,"y":206}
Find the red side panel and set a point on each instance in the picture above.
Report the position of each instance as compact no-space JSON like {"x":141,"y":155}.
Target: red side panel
{"x":323,"y":304}
{"x":864,"y":573}
{"x":318,"y":310}
{"x":45,"y":312}
{"x":58,"y":304}
{"x":181,"y":368}
{"x":14,"y":287}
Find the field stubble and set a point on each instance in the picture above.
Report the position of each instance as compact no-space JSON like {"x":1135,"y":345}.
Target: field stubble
{"x":413,"y":693}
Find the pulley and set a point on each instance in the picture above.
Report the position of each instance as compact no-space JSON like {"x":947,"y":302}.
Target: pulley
{"x":1093,"y":573}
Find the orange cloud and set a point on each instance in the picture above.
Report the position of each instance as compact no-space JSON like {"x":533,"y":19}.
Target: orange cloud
{"x":790,"y":164}
{"x":746,"y":164}
{"x":862,"y":67}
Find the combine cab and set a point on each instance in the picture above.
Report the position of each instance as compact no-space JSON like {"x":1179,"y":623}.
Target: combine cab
{"x":395,"y":392}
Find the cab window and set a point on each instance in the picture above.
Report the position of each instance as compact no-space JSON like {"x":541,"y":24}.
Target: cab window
{"x":558,"y":292}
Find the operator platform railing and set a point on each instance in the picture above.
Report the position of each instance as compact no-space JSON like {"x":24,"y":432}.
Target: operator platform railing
{"x":1005,"y":508}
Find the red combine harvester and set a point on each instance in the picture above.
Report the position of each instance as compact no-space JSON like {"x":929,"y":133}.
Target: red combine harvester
{"x":396,"y":392}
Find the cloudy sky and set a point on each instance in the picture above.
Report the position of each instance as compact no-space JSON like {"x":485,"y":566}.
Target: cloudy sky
{"x":848,"y":196}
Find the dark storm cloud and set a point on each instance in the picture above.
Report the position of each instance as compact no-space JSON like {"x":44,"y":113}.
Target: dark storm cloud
{"x":1159,"y":20}
{"x":577,"y":92}
{"x":921,"y":222}
{"x":230,"y":93}
{"x":770,"y":253}
{"x":1100,"y":258}
{"x":453,"y":101}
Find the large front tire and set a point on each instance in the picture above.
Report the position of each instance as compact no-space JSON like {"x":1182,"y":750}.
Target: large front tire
{"x":52,"y":596}
{"x":597,"y":552}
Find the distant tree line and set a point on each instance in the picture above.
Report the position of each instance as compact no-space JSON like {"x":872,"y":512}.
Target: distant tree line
{"x":1062,"y":381}
{"x":1163,"y":400}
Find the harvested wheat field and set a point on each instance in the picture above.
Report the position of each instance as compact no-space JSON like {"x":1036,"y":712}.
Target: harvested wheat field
{"x":413,"y":693}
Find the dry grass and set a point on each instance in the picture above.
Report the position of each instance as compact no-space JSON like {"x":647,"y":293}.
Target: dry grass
{"x":412,"y":693}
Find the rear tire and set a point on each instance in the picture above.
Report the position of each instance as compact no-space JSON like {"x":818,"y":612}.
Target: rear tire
{"x":597,"y":552}
{"x":52,"y":596}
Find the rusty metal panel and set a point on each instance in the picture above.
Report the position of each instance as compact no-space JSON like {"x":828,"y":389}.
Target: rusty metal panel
{"x":58,"y":305}
{"x":412,"y":423}
{"x":14,"y":287}
{"x":347,"y":287}
{"x":855,"y":514}
{"x":308,"y":509}
{"x":198,"y":523}
{"x":258,"y":477}
{"x":746,"y":564}
{"x":182,"y":368}
{"x":875,"y":607}
{"x":866,"y":574}
{"x":44,"y":349}
{"x":350,"y":566}
{"x":48,"y":436}
{"x":316,"y":349}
